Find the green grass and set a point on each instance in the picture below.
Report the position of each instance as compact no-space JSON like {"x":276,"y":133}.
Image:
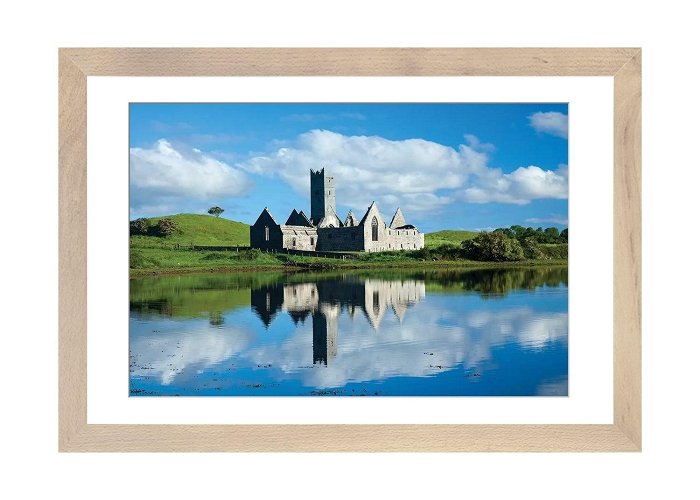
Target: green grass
{"x":197,"y":230}
{"x":448,"y":237}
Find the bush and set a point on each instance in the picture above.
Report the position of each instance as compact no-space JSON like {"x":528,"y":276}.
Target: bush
{"x":251,"y":254}
{"x":492,"y":247}
{"x":166,"y":227}
{"x":139,"y":226}
{"x":560,"y":251}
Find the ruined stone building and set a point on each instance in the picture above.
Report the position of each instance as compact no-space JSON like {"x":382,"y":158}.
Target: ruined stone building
{"x":325,"y":232}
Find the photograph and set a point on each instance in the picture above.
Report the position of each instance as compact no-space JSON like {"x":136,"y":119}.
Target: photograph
{"x":348,"y":249}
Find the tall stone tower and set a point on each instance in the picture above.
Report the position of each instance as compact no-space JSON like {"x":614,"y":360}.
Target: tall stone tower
{"x":322,"y":196}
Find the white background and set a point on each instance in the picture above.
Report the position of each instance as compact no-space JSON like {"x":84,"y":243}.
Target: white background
{"x":590,"y":156}
{"x":32,"y":32}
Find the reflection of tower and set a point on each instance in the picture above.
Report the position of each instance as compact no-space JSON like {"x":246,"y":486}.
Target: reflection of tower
{"x":325,"y":333}
{"x":266,"y":302}
{"x":322,"y":196}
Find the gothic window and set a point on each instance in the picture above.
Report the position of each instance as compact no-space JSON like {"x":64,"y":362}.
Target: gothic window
{"x":267,"y":233}
{"x":312,"y":241}
{"x":294,"y":242}
{"x":375,"y":302}
{"x":375,"y":229}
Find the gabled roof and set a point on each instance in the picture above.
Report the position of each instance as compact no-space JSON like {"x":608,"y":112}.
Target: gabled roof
{"x":369,"y":209}
{"x":398,"y":220}
{"x":297,"y":219}
{"x":265,"y":214}
{"x":350,"y":220}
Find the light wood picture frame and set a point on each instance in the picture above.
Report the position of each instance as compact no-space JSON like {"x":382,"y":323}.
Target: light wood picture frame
{"x":76,"y":64}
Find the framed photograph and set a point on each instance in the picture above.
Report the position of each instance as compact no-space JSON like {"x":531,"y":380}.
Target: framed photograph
{"x":350,"y":249}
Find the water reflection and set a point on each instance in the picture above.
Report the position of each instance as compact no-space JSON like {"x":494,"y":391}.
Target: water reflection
{"x":325,"y":300}
{"x":490,"y":332}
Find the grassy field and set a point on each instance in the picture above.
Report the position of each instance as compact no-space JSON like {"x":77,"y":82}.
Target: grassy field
{"x":197,"y":230}
{"x":448,"y":238}
{"x":172,"y":254}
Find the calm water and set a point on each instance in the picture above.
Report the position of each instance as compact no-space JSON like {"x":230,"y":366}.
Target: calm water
{"x":481,"y":333}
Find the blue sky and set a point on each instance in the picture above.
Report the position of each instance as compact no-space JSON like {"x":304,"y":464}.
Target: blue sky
{"x":448,"y":166}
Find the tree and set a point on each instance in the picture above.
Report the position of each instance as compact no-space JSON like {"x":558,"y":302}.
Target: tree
{"x":530,"y":248}
{"x":564,"y":236}
{"x":494,"y":246}
{"x":139,"y":226}
{"x":215,"y":211}
{"x":551,"y":235}
{"x":166,"y":227}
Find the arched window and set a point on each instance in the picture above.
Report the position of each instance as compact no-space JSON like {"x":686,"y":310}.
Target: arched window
{"x":267,"y":233}
{"x":294,"y":242}
{"x":375,"y":229}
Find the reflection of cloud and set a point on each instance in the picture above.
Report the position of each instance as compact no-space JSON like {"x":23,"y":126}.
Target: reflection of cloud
{"x":402,"y":349}
{"x":167,"y":354}
{"x":558,"y":387}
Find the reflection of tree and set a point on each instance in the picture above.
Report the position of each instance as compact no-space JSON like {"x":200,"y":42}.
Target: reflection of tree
{"x":496,"y":282}
{"x":500,"y":281}
{"x":216,"y":318}
{"x":192,"y":296}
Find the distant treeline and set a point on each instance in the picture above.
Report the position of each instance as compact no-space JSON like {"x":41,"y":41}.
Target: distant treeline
{"x":550,"y":235}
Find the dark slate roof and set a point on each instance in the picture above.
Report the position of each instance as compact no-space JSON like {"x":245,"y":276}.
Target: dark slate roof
{"x":265,"y":214}
{"x":297,"y":219}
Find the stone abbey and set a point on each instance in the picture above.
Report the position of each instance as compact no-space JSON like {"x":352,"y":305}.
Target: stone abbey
{"x":325,"y":232}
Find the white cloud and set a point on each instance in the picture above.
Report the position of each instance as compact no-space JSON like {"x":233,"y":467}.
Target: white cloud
{"x":474,"y":143}
{"x":367,"y":168}
{"x":419,"y":175}
{"x":551,"y":122}
{"x":163,"y":174}
{"x":520,"y":186}
{"x":557,"y":219}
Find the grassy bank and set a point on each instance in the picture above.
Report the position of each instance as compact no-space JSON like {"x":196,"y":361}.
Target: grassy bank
{"x":145,"y":261}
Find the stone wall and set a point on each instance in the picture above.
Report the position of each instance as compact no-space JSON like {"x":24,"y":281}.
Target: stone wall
{"x":270,"y":241}
{"x":405,"y":239}
{"x":299,"y":238}
{"x":350,"y":239}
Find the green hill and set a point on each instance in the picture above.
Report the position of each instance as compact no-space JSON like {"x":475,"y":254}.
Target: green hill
{"x":197,"y":230}
{"x":448,"y":237}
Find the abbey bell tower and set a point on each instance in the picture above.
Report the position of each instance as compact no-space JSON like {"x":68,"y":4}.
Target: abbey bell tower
{"x":322,"y":196}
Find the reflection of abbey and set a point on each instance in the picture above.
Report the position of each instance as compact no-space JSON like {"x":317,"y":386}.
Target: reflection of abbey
{"x":324,"y":301}
{"x":324,"y":231}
